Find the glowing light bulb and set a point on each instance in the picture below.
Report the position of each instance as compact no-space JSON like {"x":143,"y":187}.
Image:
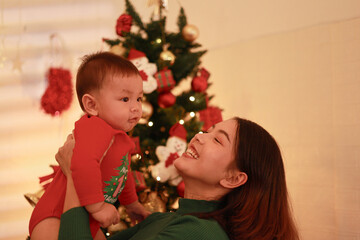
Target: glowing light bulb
{"x":192,"y":98}
{"x":192,"y":114}
{"x":181,"y":121}
{"x":158,"y":178}
{"x":150,"y":124}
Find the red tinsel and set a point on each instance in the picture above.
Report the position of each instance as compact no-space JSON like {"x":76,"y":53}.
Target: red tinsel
{"x":166,"y":99}
{"x":59,"y":93}
{"x":123,"y":24}
{"x":210,"y":116}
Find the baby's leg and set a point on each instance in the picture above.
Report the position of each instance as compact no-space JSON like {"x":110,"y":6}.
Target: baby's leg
{"x":46,"y":229}
{"x":99,"y":235}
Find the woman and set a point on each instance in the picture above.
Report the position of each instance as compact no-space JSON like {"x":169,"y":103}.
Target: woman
{"x":234,"y":189}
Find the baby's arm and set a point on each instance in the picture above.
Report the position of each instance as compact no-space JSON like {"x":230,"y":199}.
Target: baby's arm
{"x":105,"y":213}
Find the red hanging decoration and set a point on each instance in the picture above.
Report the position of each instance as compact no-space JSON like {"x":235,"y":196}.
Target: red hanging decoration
{"x":59,"y":93}
{"x":123,"y":24}
{"x":210,"y":116}
{"x":200,"y":81}
{"x":199,"y":84}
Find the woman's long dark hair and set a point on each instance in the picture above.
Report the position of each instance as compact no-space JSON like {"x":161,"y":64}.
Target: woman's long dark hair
{"x":259,"y":209}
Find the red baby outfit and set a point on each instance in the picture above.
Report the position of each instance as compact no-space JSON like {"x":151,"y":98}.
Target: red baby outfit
{"x":99,"y":165}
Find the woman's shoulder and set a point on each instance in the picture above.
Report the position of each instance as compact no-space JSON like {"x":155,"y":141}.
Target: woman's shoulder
{"x":193,"y":227}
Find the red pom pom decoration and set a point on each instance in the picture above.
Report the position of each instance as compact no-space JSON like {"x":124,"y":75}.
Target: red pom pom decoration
{"x":59,"y":93}
{"x":123,"y":24}
{"x":166,"y":99}
{"x":199,"y":84}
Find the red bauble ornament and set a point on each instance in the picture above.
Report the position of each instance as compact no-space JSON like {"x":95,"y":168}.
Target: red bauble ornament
{"x":166,"y":99}
{"x":181,"y":189}
{"x":123,"y":24}
{"x":199,"y":84}
{"x":59,"y":93}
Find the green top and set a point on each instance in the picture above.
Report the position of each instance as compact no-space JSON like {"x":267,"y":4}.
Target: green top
{"x":159,"y":226}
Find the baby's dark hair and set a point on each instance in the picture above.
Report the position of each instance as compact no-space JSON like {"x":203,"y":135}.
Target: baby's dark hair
{"x":99,"y":67}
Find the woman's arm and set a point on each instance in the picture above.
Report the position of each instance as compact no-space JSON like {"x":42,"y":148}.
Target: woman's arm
{"x":63,"y":157}
{"x":74,"y":223}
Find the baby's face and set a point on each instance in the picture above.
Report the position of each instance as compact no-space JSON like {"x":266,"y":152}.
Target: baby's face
{"x":119,"y":101}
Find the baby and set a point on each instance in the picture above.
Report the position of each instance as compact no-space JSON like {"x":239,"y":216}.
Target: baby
{"x":110,"y":92}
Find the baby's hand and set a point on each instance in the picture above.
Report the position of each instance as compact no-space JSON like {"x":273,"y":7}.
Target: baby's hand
{"x":106,"y":215}
{"x":136,"y":212}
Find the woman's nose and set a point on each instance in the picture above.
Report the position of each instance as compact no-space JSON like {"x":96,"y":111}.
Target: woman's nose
{"x":200,"y":137}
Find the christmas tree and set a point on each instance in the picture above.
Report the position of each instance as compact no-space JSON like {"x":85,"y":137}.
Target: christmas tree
{"x":172,"y":113}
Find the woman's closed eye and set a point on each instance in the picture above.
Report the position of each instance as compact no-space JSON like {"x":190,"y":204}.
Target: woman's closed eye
{"x":217,"y":140}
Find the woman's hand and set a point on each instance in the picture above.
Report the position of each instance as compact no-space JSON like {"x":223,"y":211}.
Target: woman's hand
{"x":64,"y":155}
{"x":106,"y":214}
{"x":136,"y":212}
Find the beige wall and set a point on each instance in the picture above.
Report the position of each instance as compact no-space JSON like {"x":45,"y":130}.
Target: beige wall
{"x":303,"y":86}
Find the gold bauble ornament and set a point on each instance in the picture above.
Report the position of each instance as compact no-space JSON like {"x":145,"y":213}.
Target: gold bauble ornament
{"x":118,"y":50}
{"x":33,"y":198}
{"x":147,"y":111}
{"x":167,"y":57}
{"x":116,"y":227}
{"x":153,"y":202}
{"x":190,"y":32}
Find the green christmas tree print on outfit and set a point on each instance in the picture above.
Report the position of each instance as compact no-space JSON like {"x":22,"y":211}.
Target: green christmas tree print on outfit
{"x":117,"y":183}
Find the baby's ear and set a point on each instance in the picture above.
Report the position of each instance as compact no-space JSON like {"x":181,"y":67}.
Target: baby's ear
{"x":234,"y":180}
{"x":90,"y":104}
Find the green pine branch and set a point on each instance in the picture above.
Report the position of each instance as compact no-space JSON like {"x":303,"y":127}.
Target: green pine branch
{"x":132,"y":12}
{"x":111,"y":42}
{"x":181,"y":20}
{"x":185,"y":64}
{"x":192,"y":106}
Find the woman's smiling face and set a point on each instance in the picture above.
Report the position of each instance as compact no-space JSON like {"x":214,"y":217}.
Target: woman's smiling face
{"x":209,"y":154}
